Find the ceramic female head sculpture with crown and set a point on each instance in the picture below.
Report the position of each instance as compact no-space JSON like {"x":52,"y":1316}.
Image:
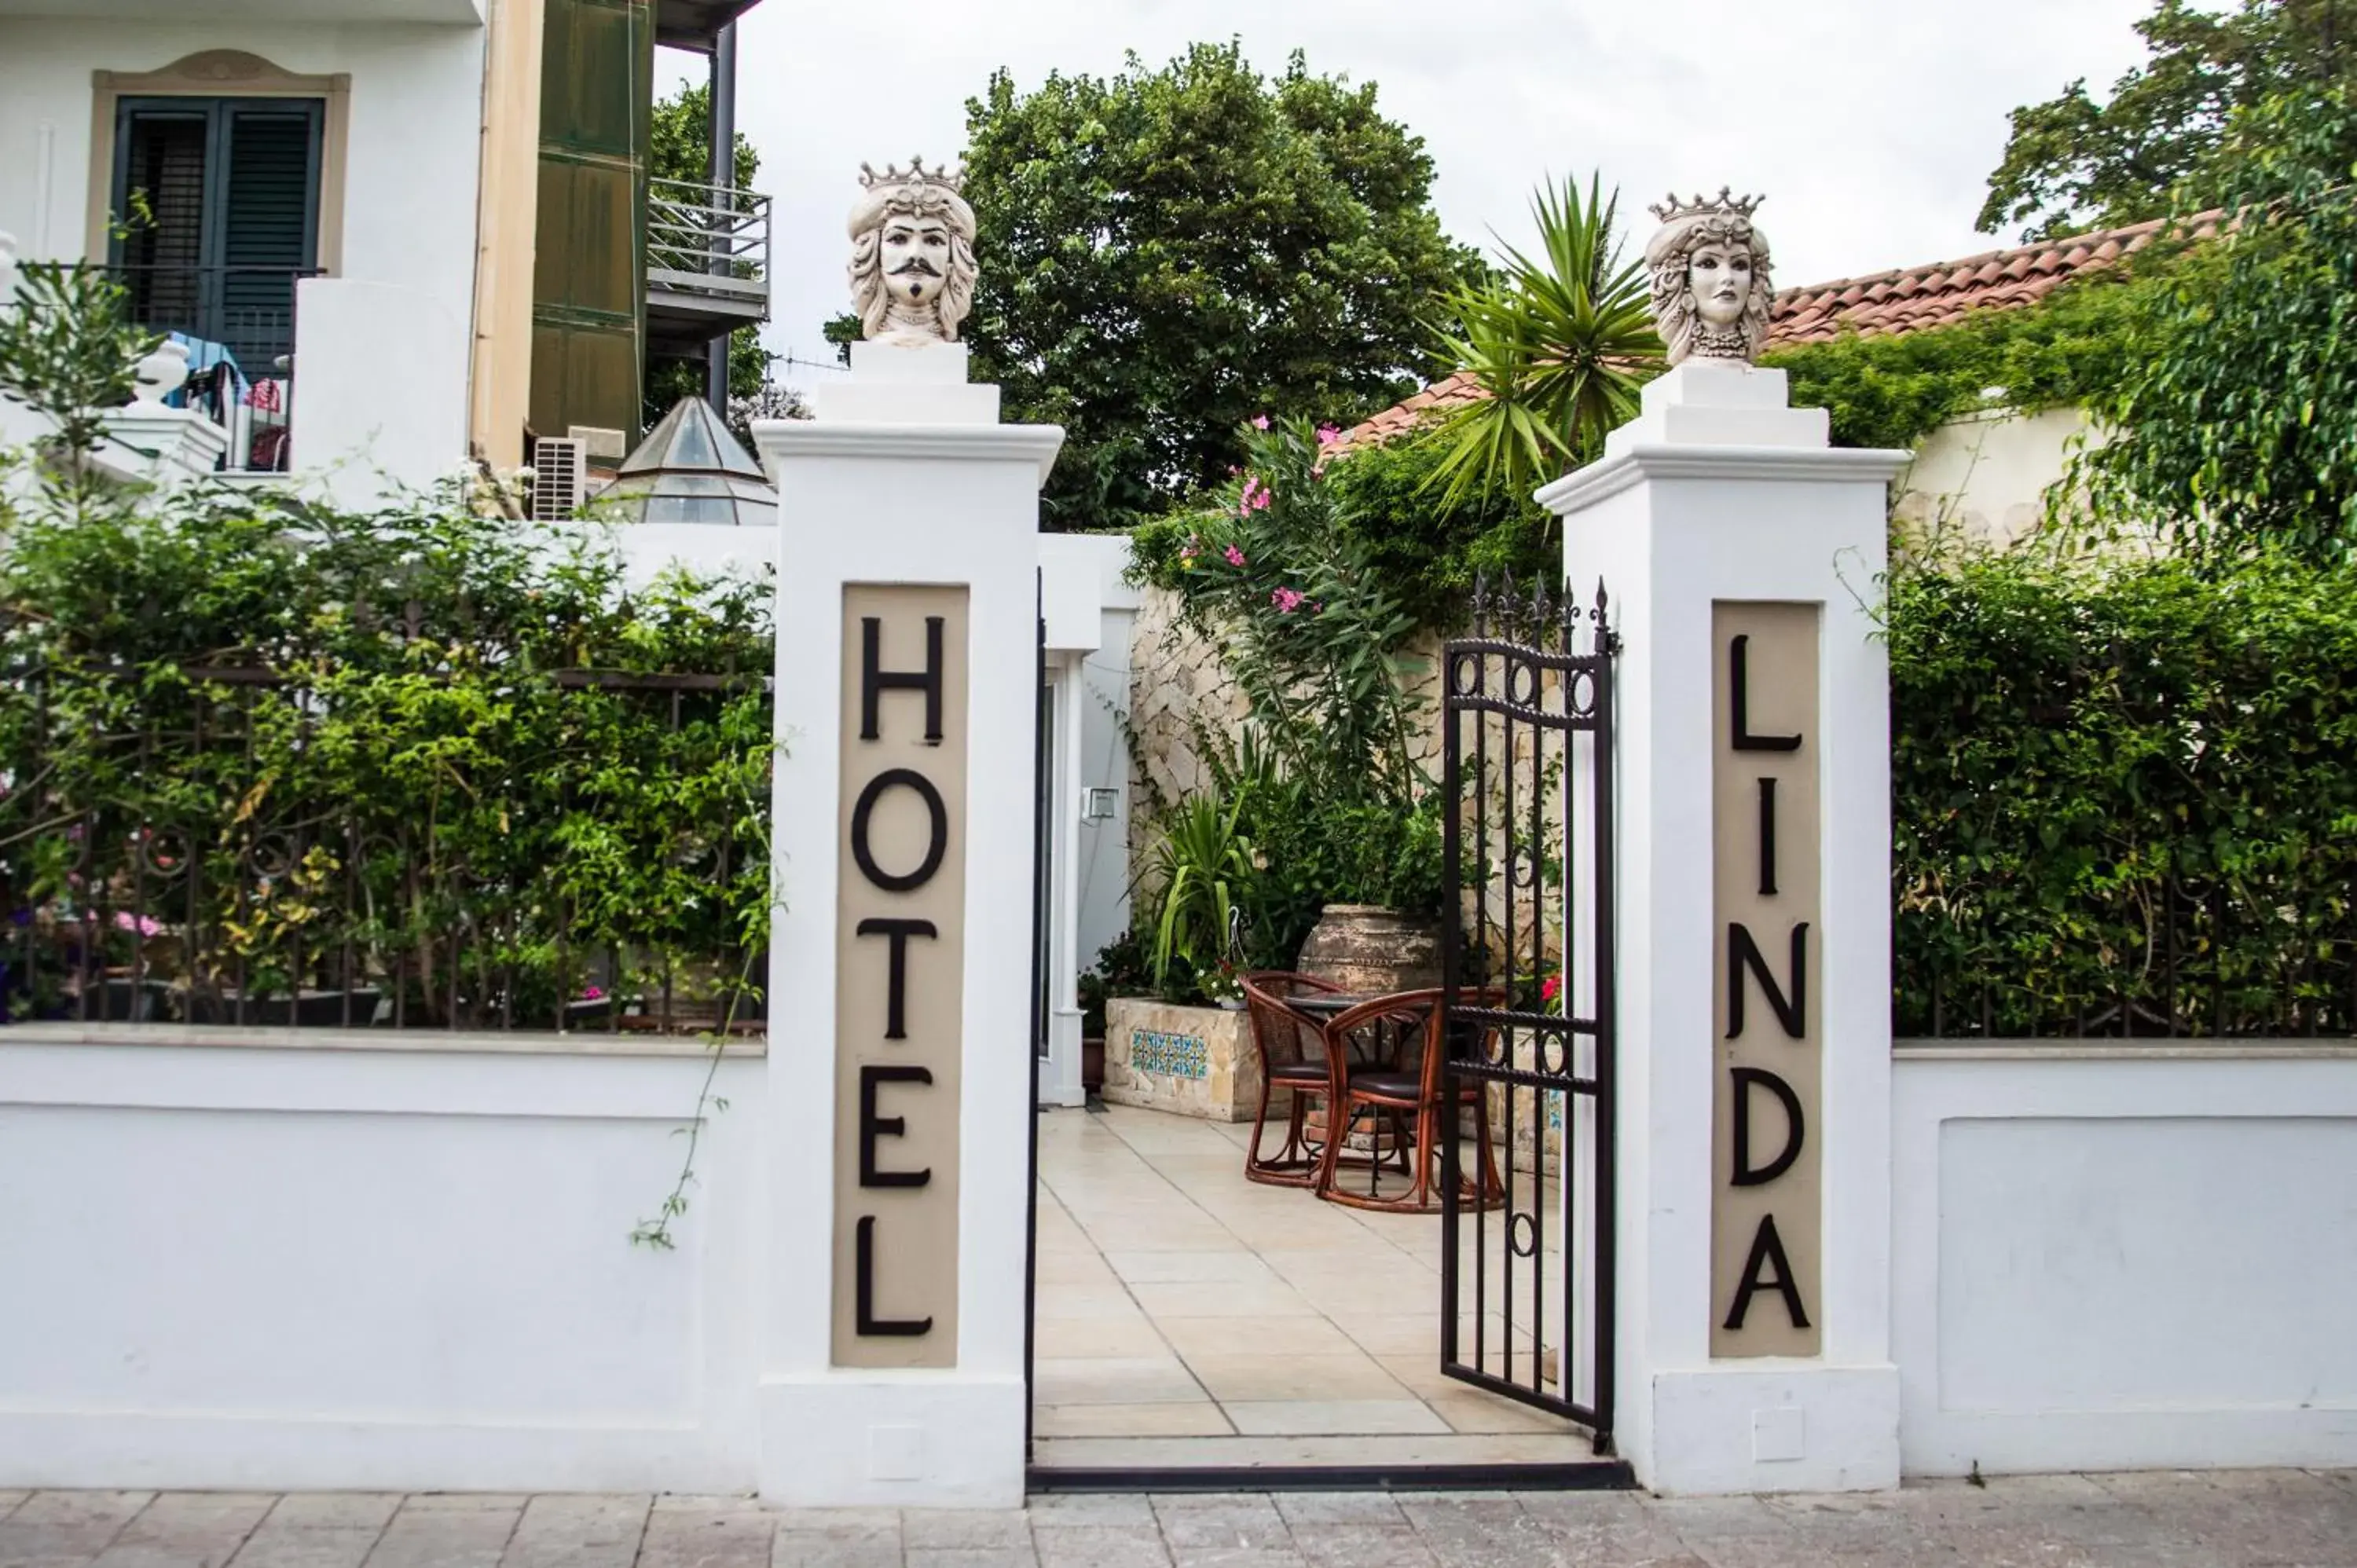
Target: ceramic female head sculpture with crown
{"x":1711,"y":286}
{"x":912,"y":267}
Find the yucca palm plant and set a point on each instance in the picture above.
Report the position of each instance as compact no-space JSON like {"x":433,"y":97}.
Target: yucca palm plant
{"x":1204,"y":864}
{"x":1560,"y":341}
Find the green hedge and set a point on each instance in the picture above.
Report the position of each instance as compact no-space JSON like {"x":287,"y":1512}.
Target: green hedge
{"x":251,"y":748}
{"x":2068,"y":349}
{"x":2125,"y":798}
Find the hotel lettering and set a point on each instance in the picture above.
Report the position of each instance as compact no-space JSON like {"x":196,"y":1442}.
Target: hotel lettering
{"x":1767,"y":1197}
{"x":899,"y":975}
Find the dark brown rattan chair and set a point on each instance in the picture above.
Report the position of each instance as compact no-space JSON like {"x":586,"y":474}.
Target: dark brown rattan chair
{"x":1386,"y":1056}
{"x":1292,"y":1048}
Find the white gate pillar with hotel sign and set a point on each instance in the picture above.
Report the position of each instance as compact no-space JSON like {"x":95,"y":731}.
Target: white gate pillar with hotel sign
{"x":1743,"y":557}
{"x":900,"y":1051}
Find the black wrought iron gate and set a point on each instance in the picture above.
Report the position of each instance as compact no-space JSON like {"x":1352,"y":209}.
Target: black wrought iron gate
{"x":1527,"y":1218}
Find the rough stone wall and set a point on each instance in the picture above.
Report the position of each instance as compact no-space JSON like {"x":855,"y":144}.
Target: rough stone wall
{"x":1177,"y":681}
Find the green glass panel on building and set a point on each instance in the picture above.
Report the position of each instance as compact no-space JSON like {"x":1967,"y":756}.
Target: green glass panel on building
{"x":588,"y":275}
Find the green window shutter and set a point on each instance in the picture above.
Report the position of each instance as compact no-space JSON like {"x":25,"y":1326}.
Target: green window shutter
{"x":268,"y":226}
{"x":230,"y":191}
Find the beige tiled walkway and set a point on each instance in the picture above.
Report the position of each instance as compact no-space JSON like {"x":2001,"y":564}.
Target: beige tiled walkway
{"x":1188,"y":1317}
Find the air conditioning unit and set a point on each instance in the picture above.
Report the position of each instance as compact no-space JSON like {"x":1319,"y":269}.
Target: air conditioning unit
{"x":560,"y":482}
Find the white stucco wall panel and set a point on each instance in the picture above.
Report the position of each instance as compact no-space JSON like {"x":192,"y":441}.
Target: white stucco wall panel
{"x":356,"y":340}
{"x":1985,"y":478}
{"x":396,"y":1269}
{"x":2127,"y":1259}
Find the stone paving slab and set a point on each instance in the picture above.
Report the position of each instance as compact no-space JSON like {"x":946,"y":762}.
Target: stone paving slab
{"x":2264,"y":1519}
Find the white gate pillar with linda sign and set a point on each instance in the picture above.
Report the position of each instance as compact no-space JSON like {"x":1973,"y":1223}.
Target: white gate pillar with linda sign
{"x":1744,"y":555}
{"x":901,"y":1074}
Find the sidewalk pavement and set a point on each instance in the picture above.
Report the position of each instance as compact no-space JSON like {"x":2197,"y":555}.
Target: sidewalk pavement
{"x":2260,"y":1518}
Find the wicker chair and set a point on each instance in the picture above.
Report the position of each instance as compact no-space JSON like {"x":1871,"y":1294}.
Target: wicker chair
{"x":1292,"y":1048}
{"x":1386,"y":1055}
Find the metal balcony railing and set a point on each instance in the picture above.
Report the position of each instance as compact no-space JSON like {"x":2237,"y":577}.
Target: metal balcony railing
{"x":239,"y":324}
{"x":708,"y":252}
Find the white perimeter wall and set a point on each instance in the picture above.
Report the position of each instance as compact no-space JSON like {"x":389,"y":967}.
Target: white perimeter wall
{"x":389,"y":360}
{"x":2125,"y":1258}
{"x":399,"y":1269}
{"x":1985,"y":478}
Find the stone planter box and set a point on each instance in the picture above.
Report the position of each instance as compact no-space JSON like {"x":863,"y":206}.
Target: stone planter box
{"x":1193,"y":1061}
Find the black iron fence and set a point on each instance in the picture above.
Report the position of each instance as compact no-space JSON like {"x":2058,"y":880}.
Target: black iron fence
{"x":238,"y":324}
{"x":2166,"y":958}
{"x":575,"y":850}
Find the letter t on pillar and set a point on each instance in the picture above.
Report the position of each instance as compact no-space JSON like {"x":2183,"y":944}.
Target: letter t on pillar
{"x":908,"y":484}
{"x":1719,"y":492}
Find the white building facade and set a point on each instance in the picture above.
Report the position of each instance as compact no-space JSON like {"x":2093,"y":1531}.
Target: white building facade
{"x":311,"y":172}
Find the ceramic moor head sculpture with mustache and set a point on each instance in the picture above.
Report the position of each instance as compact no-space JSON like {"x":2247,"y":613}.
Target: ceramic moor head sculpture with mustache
{"x":912,"y":267}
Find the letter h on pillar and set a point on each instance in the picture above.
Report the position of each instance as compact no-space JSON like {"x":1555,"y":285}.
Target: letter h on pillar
{"x":909,"y":520}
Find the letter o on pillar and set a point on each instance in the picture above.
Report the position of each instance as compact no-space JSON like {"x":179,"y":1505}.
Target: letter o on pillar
{"x":937,"y":830}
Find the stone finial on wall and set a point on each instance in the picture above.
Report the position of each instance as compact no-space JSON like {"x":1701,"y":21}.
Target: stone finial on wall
{"x":160,"y":374}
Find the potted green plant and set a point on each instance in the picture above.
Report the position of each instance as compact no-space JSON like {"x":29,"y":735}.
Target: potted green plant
{"x":1203,"y":866}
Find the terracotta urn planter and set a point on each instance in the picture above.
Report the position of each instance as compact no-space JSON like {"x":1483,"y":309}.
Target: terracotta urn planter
{"x":1367,"y":949}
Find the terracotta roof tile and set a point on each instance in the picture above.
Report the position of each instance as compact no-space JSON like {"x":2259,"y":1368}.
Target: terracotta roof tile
{"x":1910,"y":300}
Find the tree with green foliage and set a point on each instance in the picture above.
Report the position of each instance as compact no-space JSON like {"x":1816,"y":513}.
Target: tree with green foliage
{"x":70,"y":352}
{"x":1171,"y":252}
{"x":681,"y":150}
{"x":2234,"y":426}
{"x":2073,"y":164}
{"x":1560,"y":342}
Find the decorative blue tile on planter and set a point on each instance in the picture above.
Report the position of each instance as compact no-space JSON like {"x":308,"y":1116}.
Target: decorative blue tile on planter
{"x":1172,"y":1056}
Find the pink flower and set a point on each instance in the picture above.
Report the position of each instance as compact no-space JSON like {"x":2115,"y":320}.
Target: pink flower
{"x":1235,"y":557}
{"x":1328,"y":434}
{"x":1286,"y":600}
{"x":1551,"y":988}
{"x":592,"y":993}
{"x":1260,"y":422}
{"x":146,"y":926}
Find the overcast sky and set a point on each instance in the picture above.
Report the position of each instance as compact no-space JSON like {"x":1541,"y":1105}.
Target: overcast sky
{"x":1870,"y":125}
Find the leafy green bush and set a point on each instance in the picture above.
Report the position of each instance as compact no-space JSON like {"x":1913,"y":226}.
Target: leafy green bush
{"x":2124,"y":797}
{"x":1313,"y":636}
{"x":252,"y":746}
{"x":1424,"y":549}
{"x":2068,"y":349}
{"x":1323,"y":797}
